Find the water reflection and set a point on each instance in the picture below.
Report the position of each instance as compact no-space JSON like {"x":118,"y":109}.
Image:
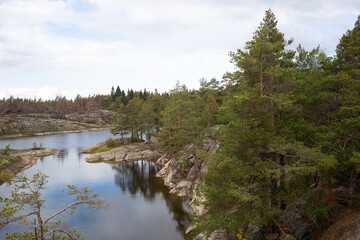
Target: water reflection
{"x":140,"y":177}
{"x":134,"y":177}
{"x":141,"y":206}
{"x":62,"y":154}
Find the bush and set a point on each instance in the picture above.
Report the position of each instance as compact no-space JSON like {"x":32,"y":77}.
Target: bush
{"x":111,"y":143}
{"x":6,"y":150}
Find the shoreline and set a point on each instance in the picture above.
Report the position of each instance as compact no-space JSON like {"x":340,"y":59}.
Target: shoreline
{"x":28,"y":158}
{"x":19,"y":135}
{"x":122,"y":153}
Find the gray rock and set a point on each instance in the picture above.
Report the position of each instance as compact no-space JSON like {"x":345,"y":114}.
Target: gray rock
{"x":340,"y":189}
{"x":192,"y":172}
{"x":218,"y":235}
{"x":346,"y":228}
{"x":124,"y":153}
{"x":293,"y":221}
{"x":162,"y":161}
{"x":182,"y":188}
{"x":189,"y":229}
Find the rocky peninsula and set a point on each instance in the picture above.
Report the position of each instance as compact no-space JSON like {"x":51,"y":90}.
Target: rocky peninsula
{"x":16,"y":160}
{"x":123,"y":153}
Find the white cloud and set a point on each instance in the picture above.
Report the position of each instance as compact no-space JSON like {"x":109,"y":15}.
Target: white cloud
{"x":137,"y":44}
{"x":45,"y":92}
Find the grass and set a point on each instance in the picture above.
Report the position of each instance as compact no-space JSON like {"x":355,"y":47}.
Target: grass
{"x":5,"y":162}
{"x":109,"y":144}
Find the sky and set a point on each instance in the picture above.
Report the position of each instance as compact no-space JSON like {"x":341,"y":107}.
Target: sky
{"x":52,"y":48}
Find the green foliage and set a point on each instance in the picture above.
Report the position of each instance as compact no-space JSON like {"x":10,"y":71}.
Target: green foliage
{"x":36,"y":147}
{"x":348,"y":51}
{"x":111,"y":143}
{"x":26,"y":196}
{"x":181,"y":119}
{"x":290,"y":123}
{"x":6,"y":150}
{"x":279,"y":124}
{"x":139,"y":117}
{"x":6,"y":159}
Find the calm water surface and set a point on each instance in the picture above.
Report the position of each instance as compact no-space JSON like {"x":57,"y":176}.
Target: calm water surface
{"x":140,"y":205}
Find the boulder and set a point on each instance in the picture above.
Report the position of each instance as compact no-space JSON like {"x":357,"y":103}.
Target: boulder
{"x":189,"y":229}
{"x":182,"y":188}
{"x":162,"y":161}
{"x":164,"y":171}
{"x":192,"y":172}
{"x":218,"y":235}
{"x":346,"y":228}
{"x":292,"y":219}
{"x":196,"y":202}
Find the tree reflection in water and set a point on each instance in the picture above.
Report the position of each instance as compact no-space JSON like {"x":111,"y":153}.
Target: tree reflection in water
{"x":139,"y":177}
{"x":62,"y":154}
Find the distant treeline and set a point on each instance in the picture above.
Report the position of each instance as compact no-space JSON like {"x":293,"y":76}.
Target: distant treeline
{"x":62,"y":105}
{"x":126,"y":97}
{"x":58,"y":106}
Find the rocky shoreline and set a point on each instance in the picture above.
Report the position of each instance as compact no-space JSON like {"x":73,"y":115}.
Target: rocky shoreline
{"x":23,"y":125}
{"x":181,"y":174}
{"x":28,"y":158}
{"x":184,"y":173}
{"x":19,"y":135}
{"x":125,"y":153}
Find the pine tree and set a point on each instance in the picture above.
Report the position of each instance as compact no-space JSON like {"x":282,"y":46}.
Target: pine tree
{"x":261,"y":165}
{"x":117,"y":92}
{"x":348,"y":50}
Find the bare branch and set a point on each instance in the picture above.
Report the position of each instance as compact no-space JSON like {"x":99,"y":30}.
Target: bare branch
{"x":64,"y":209}
{"x":18,"y":218}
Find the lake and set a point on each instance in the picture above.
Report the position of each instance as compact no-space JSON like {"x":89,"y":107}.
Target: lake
{"x":141,"y":207}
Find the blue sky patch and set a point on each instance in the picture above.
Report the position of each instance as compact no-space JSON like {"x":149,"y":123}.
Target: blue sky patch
{"x":73,"y":31}
{"x":80,"y":6}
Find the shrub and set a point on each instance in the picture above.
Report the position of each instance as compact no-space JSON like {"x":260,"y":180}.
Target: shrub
{"x":6,"y":150}
{"x":111,"y":143}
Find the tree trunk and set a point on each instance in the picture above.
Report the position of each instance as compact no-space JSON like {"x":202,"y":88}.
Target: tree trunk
{"x":41,"y":227}
{"x":261,"y":76}
{"x":352,"y":185}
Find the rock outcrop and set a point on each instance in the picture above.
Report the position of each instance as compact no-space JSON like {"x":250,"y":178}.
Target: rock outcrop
{"x":182,"y":173}
{"x":346,"y":228}
{"x":130,"y":152}
{"x":185,"y":172}
{"x":300,"y":229}
{"x":95,"y":117}
{"x":29,"y":157}
{"x":44,"y":124}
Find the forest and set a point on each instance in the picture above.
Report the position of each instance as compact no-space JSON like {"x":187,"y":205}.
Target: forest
{"x":288,"y":130}
{"x":61,"y":105}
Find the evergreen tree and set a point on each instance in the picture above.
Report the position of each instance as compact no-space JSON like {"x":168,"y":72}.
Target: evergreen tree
{"x":181,"y":119}
{"x":117,"y":92}
{"x":263,"y":165}
{"x":112,"y":92}
{"x":348,"y":51}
